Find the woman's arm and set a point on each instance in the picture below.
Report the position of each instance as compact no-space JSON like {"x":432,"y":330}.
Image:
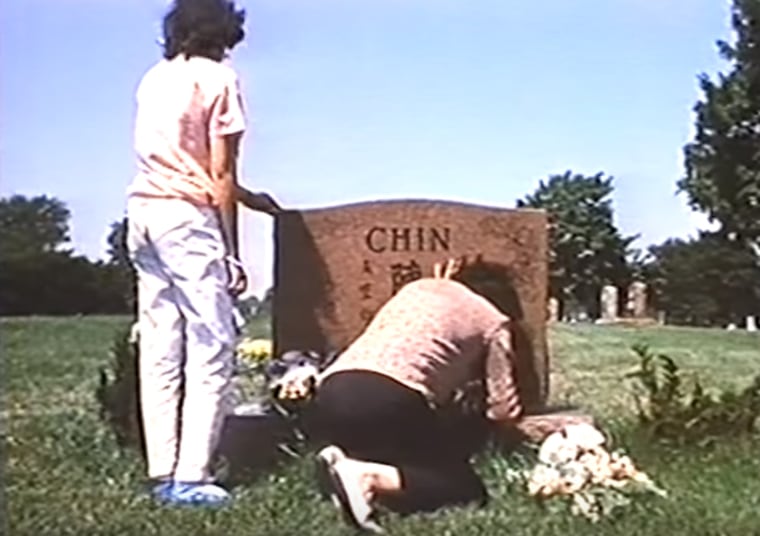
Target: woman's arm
{"x":224,"y":165}
{"x":503,"y":398}
{"x":259,"y":201}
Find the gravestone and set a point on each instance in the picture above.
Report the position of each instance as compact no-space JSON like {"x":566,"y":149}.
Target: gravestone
{"x":335,"y":267}
{"x":636,"y":305}
{"x":608,"y":304}
{"x":553,"y":310}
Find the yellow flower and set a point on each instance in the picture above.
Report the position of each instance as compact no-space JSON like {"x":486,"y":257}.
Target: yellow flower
{"x":256,"y":350}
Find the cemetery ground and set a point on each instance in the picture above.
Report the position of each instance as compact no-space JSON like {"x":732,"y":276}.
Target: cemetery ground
{"x":64,"y":474}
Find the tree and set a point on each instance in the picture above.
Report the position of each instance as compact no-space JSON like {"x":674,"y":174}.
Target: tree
{"x":39,"y":275}
{"x":706,"y":281}
{"x":117,"y":251}
{"x":587,"y":250}
{"x":59,"y":283}
{"x":723,"y":161}
{"x":30,"y":226}
{"x":122,"y":272}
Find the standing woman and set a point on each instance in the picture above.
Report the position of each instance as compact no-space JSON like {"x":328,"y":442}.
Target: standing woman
{"x":183,"y":241}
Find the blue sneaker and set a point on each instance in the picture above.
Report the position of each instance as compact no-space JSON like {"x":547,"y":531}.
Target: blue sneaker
{"x":160,"y":488}
{"x":192,"y":494}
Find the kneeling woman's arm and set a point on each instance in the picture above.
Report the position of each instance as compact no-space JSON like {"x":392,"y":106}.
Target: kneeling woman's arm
{"x":502,"y":396}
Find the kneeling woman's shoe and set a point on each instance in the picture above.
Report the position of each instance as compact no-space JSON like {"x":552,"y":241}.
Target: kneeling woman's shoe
{"x":344,"y":477}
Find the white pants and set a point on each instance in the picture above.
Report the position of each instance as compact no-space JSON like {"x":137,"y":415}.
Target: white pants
{"x":186,"y":333}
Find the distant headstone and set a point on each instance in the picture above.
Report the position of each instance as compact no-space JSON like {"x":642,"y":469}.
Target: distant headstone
{"x":553,"y":310}
{"x":608,"y":304}
{"x":335,"y":267}
{"x":636,"y":305}
{"x":751,"y":324}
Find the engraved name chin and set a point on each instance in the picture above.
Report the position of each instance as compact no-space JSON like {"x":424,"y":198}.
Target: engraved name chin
{"x":381,"y":239}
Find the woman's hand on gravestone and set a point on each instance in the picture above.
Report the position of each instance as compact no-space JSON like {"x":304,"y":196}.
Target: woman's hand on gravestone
{"x":448,"y":269}
{"x":236,"y":276}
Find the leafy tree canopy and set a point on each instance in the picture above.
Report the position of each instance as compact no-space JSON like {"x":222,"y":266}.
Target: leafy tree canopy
{"x":705,"y":281}
{"x":723,"y":160}
{"x":587,"y":250}
{"x":40,"y":275}
{"x":30,"y":226}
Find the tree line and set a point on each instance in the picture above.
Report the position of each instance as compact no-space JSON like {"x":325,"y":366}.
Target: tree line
{"x":711,"y":279}
{"x":41,"y":274}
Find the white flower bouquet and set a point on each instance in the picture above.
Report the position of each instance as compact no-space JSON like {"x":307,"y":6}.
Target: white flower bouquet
{"x":574,"y":465}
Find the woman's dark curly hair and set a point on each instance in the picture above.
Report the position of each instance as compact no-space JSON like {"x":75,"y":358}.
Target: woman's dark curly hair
{"x":494,"y":282}
{"x":206,"y":28}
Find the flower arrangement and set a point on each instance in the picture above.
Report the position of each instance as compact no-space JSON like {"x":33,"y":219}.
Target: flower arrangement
{"x":254,"y":351}
{"x":574,"y":465}
{"x":250,"y":391}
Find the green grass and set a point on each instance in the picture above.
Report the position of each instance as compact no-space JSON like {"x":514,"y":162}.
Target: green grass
{"x":64,"y":474}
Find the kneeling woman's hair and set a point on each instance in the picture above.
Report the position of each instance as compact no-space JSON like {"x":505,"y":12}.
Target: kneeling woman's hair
{"x":495,"y":283}
{"x":206,"y":28}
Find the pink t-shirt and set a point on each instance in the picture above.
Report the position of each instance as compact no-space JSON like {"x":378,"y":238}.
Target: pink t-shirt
{"x":181,"y":105}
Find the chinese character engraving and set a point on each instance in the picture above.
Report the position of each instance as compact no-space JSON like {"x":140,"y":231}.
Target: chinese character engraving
{"x":401,"y":274}
{"x":366,"y":290}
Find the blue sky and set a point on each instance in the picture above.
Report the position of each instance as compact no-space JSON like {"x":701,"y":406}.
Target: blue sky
{"x":472,"y":100}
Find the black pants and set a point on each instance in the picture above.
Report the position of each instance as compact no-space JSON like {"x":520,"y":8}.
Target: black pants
{"x":373,"y":418}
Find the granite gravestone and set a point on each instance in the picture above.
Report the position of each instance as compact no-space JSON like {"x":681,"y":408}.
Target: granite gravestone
{"x":608,"y":304}
{"x":636,"y":306}
{"x":335,"y":267}
{"x":553,"y":310}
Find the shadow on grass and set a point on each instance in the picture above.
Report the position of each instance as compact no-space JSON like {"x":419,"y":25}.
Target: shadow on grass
{"x":253,"y":446}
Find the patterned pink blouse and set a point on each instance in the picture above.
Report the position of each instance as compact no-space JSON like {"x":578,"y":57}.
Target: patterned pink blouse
{"x":435,"y":336}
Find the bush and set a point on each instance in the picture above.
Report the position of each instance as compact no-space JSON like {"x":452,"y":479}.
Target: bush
{"x":670,"y":413}
{"x":117,"y":393}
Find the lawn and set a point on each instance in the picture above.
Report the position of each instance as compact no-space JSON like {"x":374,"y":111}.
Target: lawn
{"x":64,"y":474}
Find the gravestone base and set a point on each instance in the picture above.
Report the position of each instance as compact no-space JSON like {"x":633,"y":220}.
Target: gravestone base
{"x":536,"y":427}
